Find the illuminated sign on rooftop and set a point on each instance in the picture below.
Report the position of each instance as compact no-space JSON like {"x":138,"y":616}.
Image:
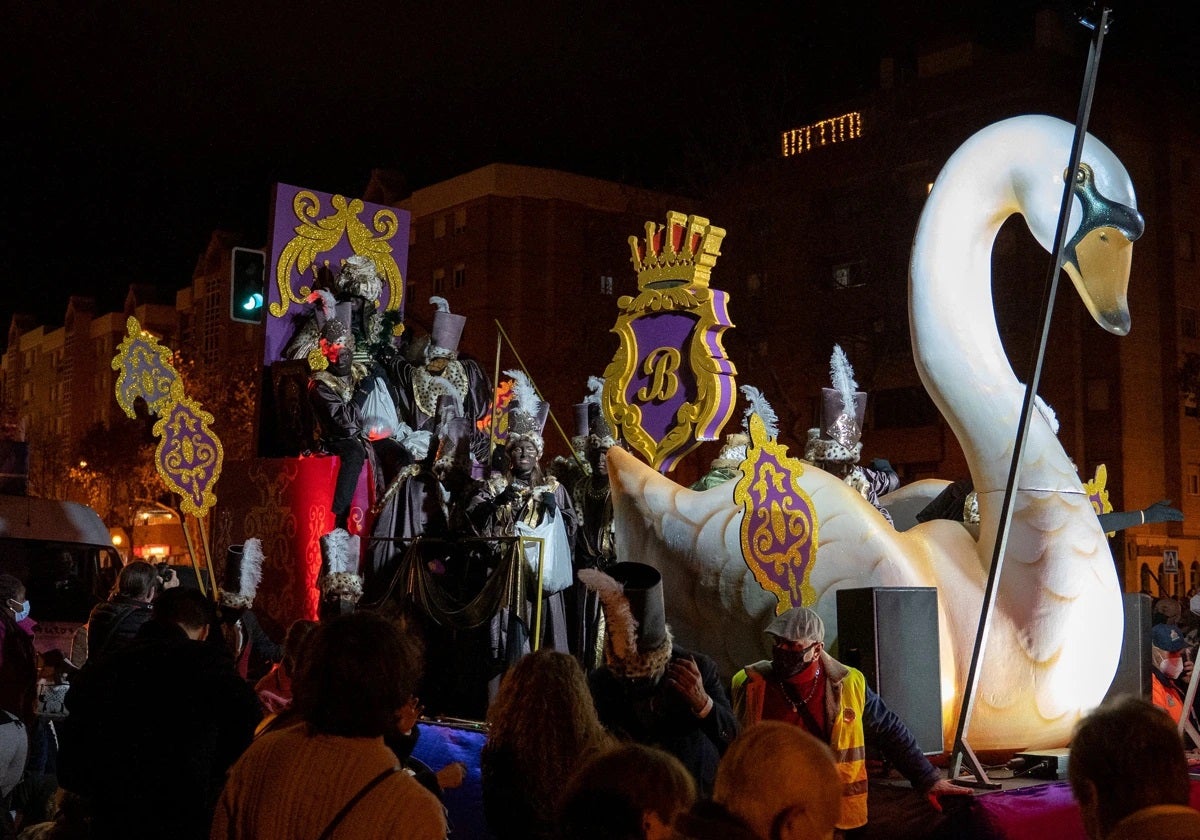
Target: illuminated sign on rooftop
{"x":823,"y":133}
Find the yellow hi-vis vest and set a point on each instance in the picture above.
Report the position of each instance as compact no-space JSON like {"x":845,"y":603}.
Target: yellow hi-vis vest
{"x":845,"y":696}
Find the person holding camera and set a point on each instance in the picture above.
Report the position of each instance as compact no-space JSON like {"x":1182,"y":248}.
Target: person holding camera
{"x":650,"y":690}
{"x":114,"y":623}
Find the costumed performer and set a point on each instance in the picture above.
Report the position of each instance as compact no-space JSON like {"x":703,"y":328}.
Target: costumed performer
{"x":837,"y":445}
{"x":337,"y":404}
{"x":522,"y":502}
{"x":438,"y":371}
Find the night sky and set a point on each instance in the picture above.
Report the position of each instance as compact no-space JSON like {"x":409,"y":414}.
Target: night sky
{"x":134,"y":129}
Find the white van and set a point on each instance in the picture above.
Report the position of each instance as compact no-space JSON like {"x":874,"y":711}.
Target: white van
{"x":63,"y":553}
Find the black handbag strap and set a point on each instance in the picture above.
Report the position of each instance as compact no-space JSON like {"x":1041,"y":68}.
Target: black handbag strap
{"x":349,"y":806}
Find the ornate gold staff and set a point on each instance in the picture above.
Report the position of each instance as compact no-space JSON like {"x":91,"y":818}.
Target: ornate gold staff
{"x":521,"y":362}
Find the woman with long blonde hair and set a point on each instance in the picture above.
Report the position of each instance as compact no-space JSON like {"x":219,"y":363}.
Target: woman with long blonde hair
{"x":543,"y":725}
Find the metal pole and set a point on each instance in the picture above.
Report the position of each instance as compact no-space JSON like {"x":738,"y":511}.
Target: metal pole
{"x":962,"y":750}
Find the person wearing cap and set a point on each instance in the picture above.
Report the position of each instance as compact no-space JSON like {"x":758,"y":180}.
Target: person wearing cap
{"x":803,"y":685}
{"x":1172,"y":669}
{"x":649,"y":690}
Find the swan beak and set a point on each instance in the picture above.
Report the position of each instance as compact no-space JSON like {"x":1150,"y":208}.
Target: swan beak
{"x":1099,"y":268}
{"x":1099,"y":256}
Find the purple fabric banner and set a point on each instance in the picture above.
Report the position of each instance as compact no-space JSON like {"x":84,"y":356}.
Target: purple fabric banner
{"x":310,"y":229}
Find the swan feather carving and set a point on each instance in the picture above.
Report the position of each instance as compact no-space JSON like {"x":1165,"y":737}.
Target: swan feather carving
{"x":1057,"y":627}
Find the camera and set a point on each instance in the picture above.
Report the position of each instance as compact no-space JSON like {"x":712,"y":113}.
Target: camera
{"x":165,"y":575}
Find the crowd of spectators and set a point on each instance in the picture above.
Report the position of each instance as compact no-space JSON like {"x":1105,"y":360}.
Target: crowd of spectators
{"x":161,"y":737}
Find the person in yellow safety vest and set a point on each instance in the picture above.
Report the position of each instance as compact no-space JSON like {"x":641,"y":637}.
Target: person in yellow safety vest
{"x":804,"y":686}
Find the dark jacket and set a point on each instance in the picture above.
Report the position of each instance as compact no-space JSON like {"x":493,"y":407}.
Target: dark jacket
{"x":18,"y":669}
{"x":151,"y":731}
{"x":658,"y":717}
{"x":710,"y":821}
{"x":114,"y":623}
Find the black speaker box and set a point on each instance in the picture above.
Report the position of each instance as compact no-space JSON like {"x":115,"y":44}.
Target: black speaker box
{"x":891,"y":635}
{"x":1133,"y":668}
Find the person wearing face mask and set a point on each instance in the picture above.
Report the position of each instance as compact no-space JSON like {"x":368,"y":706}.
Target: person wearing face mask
{"x":803,"y":685}
{"x":1171,"y":673}
{"x":18,"y":663}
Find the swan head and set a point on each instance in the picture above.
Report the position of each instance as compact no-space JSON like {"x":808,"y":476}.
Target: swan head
{"x":1104,"y":219}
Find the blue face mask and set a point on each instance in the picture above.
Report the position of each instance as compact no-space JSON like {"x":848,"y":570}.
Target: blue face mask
{"x":23,"y":612}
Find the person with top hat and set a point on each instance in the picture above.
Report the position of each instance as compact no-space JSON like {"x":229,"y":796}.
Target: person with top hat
{"x":340,"y":584}
{"x":571,"y":470}
{"x":837,"y":445}
{"x":649,"y":690}
{"x":803,"y":685}
{"x":1172,"y":670}
{"x":727,"y":465}
{"x":433,"y":369}
{"x":252,"y":649}
{"x":596,"y":543}
{"x":523,"y":502}
{"x":337,"y":400}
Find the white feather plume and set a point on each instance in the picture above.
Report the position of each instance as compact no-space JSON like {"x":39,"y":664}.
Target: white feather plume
{"x":842,"y":376}
{"x":758,"y":405}
{"x":523,"y":392}
{"x":252,"y":563}
{"x":325,"y":302}
{"x":440,"y":303}
{"x":596,"y":390}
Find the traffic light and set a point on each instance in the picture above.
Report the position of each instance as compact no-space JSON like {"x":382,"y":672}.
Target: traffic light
{"x":247,"y":285}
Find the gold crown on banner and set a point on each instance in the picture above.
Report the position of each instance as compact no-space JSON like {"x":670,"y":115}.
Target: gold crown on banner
{"x":681,"y":252}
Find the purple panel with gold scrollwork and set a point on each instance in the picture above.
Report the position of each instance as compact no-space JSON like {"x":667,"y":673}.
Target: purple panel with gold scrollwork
{"x":310,"y":229}
{"x":145,"y":370}
{"x":779,"y":522}
{"x":189,"y":455}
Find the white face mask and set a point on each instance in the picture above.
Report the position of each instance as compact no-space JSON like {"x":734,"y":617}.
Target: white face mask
{"x":1172,"y":667}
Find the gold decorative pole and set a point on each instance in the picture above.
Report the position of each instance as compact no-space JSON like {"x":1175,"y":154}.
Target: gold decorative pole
{"x":187,"y":535}
{"x":520,"y":362}
{"x":208,"y":556}
{"x":495,"y":411}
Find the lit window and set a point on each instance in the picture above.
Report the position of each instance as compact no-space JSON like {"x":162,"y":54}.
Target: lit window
{"x":460,"y":220}
{"x":439,"y":227}
{"x":606,"y":284}
{"x":460,"y":276}
{"x":439,"y":281}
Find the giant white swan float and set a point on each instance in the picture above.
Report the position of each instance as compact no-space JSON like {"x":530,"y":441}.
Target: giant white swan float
{"x":1057,"y":627}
